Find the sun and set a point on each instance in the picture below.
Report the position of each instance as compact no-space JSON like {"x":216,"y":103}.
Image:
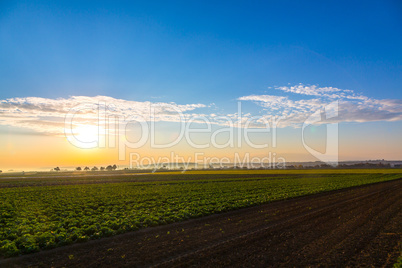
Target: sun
{"x":86,"y":133}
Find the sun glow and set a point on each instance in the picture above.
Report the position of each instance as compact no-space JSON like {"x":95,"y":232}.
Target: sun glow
{"x":86,"y":133}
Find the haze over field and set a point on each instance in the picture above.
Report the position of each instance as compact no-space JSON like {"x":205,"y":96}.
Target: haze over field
{"x":88,"y":83}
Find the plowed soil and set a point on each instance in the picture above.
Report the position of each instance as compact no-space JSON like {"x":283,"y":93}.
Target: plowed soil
{"x":360,"y":226}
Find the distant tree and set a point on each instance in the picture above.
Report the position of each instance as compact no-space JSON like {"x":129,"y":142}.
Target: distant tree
{"x":56,"y":169}
{"x":94,"y":169}
{"x":1,"y":171}
{"x":86,"y":168}
{"x":109,"y":167}
{"x":78,"y":168}
{"x":114,"y":167}
{"x":102,"y":168}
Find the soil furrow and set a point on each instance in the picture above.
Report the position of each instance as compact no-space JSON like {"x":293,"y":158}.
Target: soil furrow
{"x":347,"y":227}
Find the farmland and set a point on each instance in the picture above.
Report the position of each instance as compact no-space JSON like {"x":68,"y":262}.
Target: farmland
{"x":43,"y":213}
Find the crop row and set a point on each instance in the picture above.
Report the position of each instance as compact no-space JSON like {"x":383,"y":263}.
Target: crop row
{"x":35,"y":218}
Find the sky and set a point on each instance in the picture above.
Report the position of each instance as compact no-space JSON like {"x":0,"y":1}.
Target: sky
{"x":228,"y":66}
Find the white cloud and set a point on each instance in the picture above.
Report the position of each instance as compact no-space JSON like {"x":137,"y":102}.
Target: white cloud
{"x":324,"y":92}
{"x":48,"y":115}
{"x":352,"y":107}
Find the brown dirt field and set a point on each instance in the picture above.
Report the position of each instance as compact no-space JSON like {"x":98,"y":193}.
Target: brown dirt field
{"x":359,"y":226}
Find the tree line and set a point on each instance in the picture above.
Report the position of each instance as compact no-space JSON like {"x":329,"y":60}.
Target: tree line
{"x":108,"y":168}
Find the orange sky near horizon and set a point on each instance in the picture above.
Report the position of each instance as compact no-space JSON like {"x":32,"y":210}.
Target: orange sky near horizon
{"x":33,"y":152}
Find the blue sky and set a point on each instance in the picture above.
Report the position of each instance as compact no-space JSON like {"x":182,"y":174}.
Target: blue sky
{"x":277,"y":57}
{"x":187,"y":52}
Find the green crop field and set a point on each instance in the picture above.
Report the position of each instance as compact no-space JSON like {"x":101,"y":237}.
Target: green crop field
{"x":44,"y":213}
